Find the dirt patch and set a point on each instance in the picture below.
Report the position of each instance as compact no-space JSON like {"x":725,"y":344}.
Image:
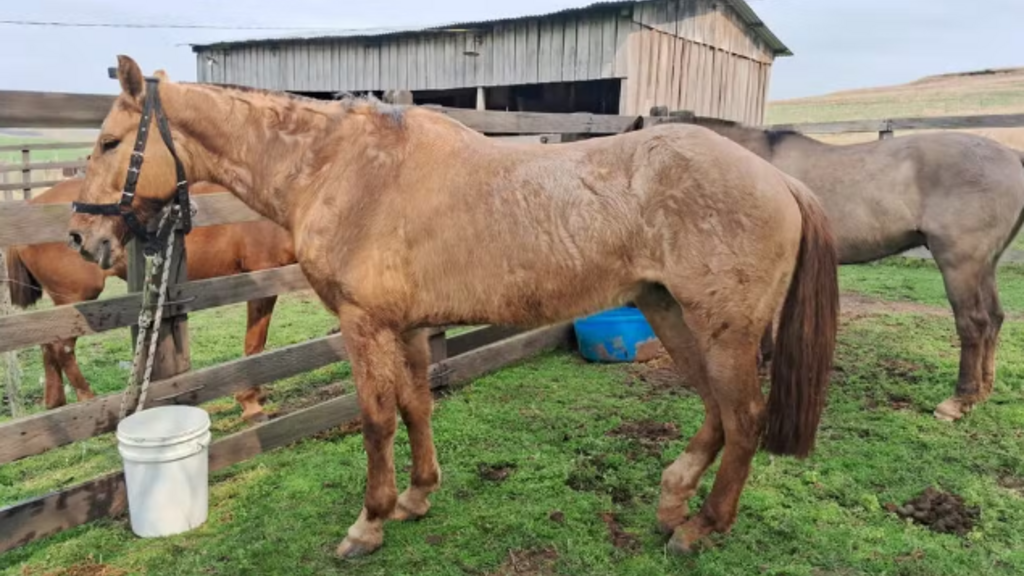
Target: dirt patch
{"x":854,"y":306}
{"x":900,"y":402}
{"x":650,"y":350}
{"x":558,"y":517}
{"x":88,"y":567}
{"x":318,"y":396}
{"x":659,"y":375}
{"x":941,"y":512}
{"x":620,"y":538}
{"x":915,"y":556}
{"x":533,"y":562}
{"x":434,"y":539}
{"x":892,"y":401}
{"x":597,"y":473}
{"x":648,"y":433}
{"x":900,"y":369}
{"x":495,"y":472}
{"x":1012,"y":483}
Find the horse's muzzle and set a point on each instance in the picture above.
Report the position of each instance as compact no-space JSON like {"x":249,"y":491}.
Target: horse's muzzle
{"x":100,"y":252}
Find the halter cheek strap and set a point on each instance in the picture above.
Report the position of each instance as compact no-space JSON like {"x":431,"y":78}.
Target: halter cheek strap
{"x":151,"y":107}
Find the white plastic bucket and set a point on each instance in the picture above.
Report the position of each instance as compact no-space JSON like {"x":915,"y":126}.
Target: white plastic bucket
{"x":165,"y":451}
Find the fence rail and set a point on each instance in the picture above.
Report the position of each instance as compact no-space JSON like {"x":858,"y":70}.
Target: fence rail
{"x":35,"y":175}
{"x":49,"y":165}
{"x":105,"y":496}
{"x":456,"y":360}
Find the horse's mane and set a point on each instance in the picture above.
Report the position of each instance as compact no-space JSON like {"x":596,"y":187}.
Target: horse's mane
{"x":347,"y":100}
{"x":772,"y":137}
{"x":775,"y":137}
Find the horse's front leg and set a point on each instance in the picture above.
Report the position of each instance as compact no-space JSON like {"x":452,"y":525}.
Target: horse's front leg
{"x":379,"y":366}
{"x":415,"y":402}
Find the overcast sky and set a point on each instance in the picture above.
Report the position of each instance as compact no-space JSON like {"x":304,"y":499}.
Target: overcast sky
{"x":839,"y":44}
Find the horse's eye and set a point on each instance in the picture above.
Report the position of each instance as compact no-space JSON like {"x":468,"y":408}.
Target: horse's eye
{"x":109,"y":145}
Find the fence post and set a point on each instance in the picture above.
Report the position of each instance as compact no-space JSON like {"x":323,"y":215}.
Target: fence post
{"x":658,"y":115}
{"x":11,"y":370}
{"x":886,"y":132}
{"x":438,"y":347}
{"x":172,"y":354}
{"x":26,"y":173}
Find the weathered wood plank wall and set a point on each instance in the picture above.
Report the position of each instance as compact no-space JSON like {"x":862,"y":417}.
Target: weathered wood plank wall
{"x":684,"y":54}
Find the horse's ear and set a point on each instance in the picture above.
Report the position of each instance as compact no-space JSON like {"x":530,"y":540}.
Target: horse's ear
{"x":162,"y":75}
{"x":635,"y":125}
{"x":130,"y":77}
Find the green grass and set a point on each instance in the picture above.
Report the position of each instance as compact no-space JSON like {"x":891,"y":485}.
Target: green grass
{"x":548,"y":419}
{"x":884,"y":105}
{"x":914,"y":280}
{"x":937,"y":96}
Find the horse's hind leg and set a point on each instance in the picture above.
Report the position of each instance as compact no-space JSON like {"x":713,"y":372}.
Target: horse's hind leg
{"x":970,"y":287}
{"x":731,"y":364}
{"x":53,"y":392}
{"x":996,"y":317}
{"x":725,"y":326}
{"x":69,"y":363}
{"x":258,"y":325}
{"x":415,"y":402}
{"x":680,"y":480}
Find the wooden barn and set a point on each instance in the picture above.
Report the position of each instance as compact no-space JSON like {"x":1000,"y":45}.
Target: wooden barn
{"x":713,"y":57}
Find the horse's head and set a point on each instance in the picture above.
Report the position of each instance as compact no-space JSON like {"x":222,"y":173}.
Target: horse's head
{"x":118,"y":198}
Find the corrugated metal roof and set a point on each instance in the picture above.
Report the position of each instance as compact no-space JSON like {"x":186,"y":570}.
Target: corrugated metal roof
{"x":746,"y":13}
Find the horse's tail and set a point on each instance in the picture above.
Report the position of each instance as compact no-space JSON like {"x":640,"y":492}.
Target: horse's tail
{"x":806,"y":337}
{"x":25,"y":288}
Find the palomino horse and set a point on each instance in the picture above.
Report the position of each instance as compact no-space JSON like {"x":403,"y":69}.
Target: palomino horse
{"x":403,"y":218}
{"x":961,"y":196}
{"x":213,"y":251}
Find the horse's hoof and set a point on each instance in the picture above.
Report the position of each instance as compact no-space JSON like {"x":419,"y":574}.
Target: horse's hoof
{"x":352,"y":548}
{"x":406,"y":511}
{"x":668,"y":522}
{"x":950,"y":410}
{"x":679,"y":546}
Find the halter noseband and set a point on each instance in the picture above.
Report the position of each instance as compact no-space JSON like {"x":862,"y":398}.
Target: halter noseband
{"x":123,"y":208}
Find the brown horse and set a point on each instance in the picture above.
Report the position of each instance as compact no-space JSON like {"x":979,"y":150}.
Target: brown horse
{"x":213,"y":251}
{"x":403,"y":219}
{"x":960,"y":195}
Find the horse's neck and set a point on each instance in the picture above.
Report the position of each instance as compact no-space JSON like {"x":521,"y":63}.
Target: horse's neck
{"x":254,"y":144}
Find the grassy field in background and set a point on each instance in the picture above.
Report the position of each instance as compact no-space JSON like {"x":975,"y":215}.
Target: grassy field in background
{"x":543,"y":473}
{"x":14,"y":157}
{"x":984,"y":92}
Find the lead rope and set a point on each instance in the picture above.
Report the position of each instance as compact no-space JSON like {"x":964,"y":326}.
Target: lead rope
{"x":150,"y":316}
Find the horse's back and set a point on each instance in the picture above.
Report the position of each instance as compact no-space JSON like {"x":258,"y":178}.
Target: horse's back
{"x":571,"y":227}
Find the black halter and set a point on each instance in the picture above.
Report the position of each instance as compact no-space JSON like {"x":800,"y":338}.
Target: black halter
{"x":150,"y":107}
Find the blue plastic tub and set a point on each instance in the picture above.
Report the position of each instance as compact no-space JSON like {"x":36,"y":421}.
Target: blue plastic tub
{"x":614,"y":335}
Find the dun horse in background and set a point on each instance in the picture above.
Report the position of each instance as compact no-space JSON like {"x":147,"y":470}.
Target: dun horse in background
{"x":959,"y":195}
{"x":213,"y":251}
{"x":403,"y":218}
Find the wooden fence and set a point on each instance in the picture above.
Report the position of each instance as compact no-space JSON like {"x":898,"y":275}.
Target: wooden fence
{"x":28,"y":175}
{"x":455,"y":360}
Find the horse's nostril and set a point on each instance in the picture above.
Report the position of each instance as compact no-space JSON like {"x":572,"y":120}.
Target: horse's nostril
{"x":74,"y":240}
